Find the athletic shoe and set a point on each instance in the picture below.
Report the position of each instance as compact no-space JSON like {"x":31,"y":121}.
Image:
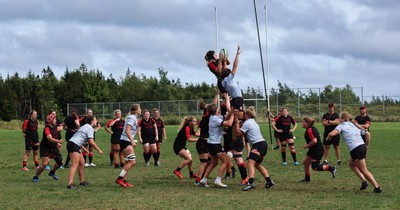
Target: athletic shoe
{"x":66,"y":166}
{"x":276,"y":148}
{"x":334,"y":172}
{"x":178,"y":174}
{"x":35,"y":179}
{"x":47,"y":167}
{"x":205,"y":184}
{"x":61,"y":167}
{"x":121,"y":165}
{"x":157,"y":164}
{"x":325,"y":162}
{"x":120,"y":182}
{"x":148,"y":163}
{"x":296,"y":163}
{"x":305,"y":180}
{"x":197,"y":183}
{"x":377,"y":190}
{"x":193,"y":176}
{"x":339,"y":162}
{"x":269,"y":184}
{"x":284,"y":163}
{"x":249,"y":187}
{"x":55,"y":177}
{"x":84,"y":183}
{"x":128,"y":184}
{"x":25,"y":169}
{"x":92,"y":164}
{"x":71,"y":187}
{"x":244,"y":182}
{"x":87,"y":165}
{"x":364,"y":185}
{"x":220,"y":184}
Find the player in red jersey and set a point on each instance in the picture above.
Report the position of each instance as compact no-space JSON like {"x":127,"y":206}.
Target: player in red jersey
{"x":148,"y":135}
{"x":117,"y":126}
{"x":162,"y":135}
{"x":282,"y":126}
{"x":29,"y":128}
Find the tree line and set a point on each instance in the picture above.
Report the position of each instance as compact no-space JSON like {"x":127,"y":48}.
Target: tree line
{"x":20,"y":94}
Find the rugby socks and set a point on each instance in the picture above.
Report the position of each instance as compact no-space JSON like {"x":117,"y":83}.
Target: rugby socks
{"x":179,"y":169}
{"x":191,"y":173}
{"x":156,"y":156}
{"x":24,"y":164}
{"x":36,"y":163}
{"x":146,"y":156}
{"x":283,"y":154}
{"x":84,"y":154}
{"x":111,"y":156}
{"x":251,"y":180}
{"x":293,"y":153}
{"x":122,"y":174}
{"x":307,"y":177}
{"x":242,"y":170}
{"x":90,"y":158}
{"x":267,"y":179}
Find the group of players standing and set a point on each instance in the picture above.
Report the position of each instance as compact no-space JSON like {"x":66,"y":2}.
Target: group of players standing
{"x":231,"y":122}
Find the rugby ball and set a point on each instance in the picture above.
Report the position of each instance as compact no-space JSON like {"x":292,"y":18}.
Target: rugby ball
{"x":224,"y":53}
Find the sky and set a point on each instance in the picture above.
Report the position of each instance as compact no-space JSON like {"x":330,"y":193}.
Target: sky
{"x":305,"y":43}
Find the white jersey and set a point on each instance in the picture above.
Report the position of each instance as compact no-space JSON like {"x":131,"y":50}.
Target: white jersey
{"x":215,"y":129}
{"x":83,"y":135}
{"x":232,"y":86}
{"x":252,"y":131}
{"x":351,"y":134}
{"x":131,"y":120}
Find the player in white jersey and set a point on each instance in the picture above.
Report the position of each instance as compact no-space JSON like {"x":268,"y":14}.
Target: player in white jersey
{"x":127,"y":144}
{"x":352,"y":136}
{"x":252,"y":131}
{"x":84,"y":135}
{"x":214,"y":141}
{"x":231,"y":85}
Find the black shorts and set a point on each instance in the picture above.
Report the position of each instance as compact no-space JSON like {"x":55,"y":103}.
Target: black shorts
{"x":214,"y":149}
{"x":237,"y":145}
{"x":261,"y":147}
{"x":52,"y":153}
{"x":359,"y":152}
{"x":114,"y":140}
{"x":201,"y":146}
{"x":227,"y":142}
{"x":276,"y":134}
{"x":149,"y":140}
{"x":30,"y":144}
{"x":285,"y":136}
{"x":177,"y":149}
{"x":316,"y":153}
{"x":72,"y":147}
{"x":237,"y":103}
{"x":124,"y":144}
{"x":334,"y":141}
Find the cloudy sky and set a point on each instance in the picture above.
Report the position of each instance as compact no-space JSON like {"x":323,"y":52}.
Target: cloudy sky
{"x":311,"y":43}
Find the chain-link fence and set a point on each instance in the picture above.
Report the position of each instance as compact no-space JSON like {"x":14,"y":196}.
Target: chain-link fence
{"x":299,"y":106}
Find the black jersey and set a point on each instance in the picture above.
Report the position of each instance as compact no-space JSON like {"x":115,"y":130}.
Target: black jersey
{"x":310,"y":134}
{"x":30,"y":127}
{"x":363,"y":120}
{"x":331,"y":117}
{"x":49,"y":131}
{"x":147,"y":128}
{"x":160,"y":126}
{"x":117,"y":128}
{"x":69,"y":121}
{"x":183,"y":135}
{"x":284,"y":123}
{"x":203,"y":125}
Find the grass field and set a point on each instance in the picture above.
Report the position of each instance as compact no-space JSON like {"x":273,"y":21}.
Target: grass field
{"x":159,"y":188}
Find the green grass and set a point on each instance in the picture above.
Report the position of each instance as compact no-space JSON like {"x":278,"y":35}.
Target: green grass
{"x":159,"y":188}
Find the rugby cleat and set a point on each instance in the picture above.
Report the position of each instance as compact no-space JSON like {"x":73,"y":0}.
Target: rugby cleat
{"x":269,"y":184}
{"x":128,"y":184}
{"x":334,"y":172}
{"x":220,"y":184}
{"x":249,"y":187}
{"x":120,"y":182}
{"x":84,"y":183}
{"x":55,"y":177}
{"x":178,"y":174}
{"x":364,"y":185}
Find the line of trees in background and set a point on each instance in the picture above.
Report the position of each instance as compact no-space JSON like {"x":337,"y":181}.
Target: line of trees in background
{"x":20,"y":94}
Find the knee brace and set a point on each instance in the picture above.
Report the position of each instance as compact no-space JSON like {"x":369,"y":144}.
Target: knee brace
{"x":130,"y":157}
{"x":283,"y":145}
{"x":254,"y":156}
{"x":314,"y":164}
{"x":291,"y":144}
{"x":203,"y":160}
{"x":208,"y":159}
